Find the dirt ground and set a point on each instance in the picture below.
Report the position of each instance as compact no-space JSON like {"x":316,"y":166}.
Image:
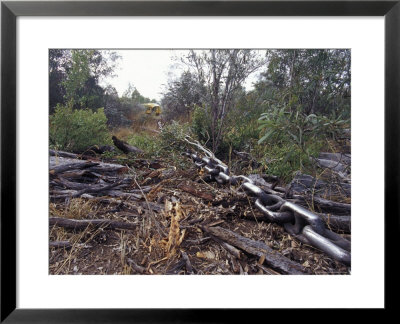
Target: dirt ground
{"x":168,"y":235}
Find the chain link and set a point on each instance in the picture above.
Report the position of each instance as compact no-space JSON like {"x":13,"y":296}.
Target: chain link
{"x":303,"y":224}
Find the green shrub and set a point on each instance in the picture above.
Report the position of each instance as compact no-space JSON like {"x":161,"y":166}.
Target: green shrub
{"x":150,"y":144}
{"x":173,"y":135}
{"x":285,"y":158}
{"x":201,"y":124}
{"x":76,"y":130}
{"x":289,"y":139}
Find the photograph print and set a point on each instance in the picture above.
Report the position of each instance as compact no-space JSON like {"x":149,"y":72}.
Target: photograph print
{"x":200,"y":162}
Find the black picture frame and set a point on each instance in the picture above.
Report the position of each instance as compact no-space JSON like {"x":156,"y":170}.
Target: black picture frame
{"x":10,"y":10}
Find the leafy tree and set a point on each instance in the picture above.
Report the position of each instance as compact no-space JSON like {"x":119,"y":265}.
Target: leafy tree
{"x":117,"y":113}
{"x":182,"y":96}
{"x":133,"y":96}
{"x":306,"y":101}
{"x":222,"y":72}
{"x":75,"y":74}
{"x":308,"y":80}
{"x":57,"y":74}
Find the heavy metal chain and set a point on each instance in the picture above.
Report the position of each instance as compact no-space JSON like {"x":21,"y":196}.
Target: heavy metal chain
{"x":306,"y":226}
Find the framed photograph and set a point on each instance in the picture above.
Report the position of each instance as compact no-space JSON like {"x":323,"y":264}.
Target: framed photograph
{"x":176,"y":132}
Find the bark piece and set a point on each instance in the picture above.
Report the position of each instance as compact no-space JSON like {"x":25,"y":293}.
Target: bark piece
{"x":257,"y":248}
{"x":60,"y":244}
{"x":201,"y":194}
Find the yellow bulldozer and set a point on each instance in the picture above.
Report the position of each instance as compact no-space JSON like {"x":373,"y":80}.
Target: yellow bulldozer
{"x":152,"y":108}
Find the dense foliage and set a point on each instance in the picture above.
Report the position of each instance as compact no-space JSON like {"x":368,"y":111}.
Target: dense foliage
{"x":77,"y":129}
{"x":75,"y":77}
{"x":298,"y":105}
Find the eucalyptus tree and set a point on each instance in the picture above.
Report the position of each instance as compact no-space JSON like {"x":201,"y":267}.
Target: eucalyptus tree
{"x":74,"y":76}
{"x":223,"y":73}
{"x":309,"y":80}
{"x":182,"y":96}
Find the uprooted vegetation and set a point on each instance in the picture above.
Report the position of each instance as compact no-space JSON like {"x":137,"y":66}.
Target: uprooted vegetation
{"x":159,"y":216}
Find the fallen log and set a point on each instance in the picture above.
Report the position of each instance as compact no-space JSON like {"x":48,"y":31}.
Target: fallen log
{"x":337,"y":222}
{"x":91,"y":187}
{"x":88,"y":189}
{"x":326,"y":205}
{"x":81,"y":224}
{"x":125,"y":147}
{"x":71,"y":166}
{"x":63,"y":154}
{"x":257,"y":248}
{"x":63,"y":164}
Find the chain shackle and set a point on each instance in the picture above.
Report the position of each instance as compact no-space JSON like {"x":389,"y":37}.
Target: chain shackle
{"x":326,"y":245}
{"x":274,"y":202}
{"x":276,"y":217}
{"x":302,"y":217}
{"x":303,"y":224}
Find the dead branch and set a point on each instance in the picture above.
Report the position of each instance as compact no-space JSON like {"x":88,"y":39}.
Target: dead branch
{"x":135,"y":266}
{"x":81,"y":224}
{"x":88,"y":189}
{"x":63,"y":154}
{"x":257,"y":248}
{"x":203,"y":149}
{"x":60,"y":244}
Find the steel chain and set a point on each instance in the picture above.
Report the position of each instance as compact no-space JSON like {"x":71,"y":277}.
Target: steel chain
{"x":306,"y":226}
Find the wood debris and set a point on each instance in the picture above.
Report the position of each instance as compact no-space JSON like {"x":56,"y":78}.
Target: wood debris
{"x":155,"y":218}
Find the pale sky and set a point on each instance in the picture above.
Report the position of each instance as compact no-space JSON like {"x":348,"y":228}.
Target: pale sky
{"x":148,"y":71}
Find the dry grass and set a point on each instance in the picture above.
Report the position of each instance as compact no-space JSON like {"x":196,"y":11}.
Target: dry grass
{"x":77,"y":208}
